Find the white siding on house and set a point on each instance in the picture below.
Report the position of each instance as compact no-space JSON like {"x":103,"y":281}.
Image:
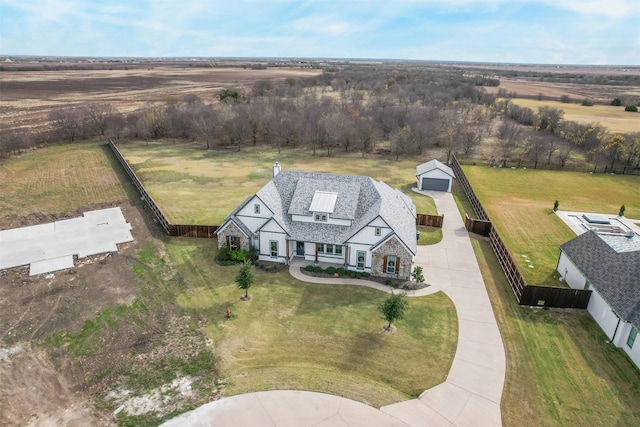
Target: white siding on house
{"x":367,"y":235}
{"x":353,"y":250}
{"x":602,"y":314}
{"x":265,"y":249}
{"x":570,"y":273}
{"x":623,"y":336}
{"x":273,"y":232}
{"x":253,"y":220}
{"x":311,"y":218}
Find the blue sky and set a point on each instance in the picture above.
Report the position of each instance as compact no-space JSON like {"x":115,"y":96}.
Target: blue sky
{"x":603,"y":32}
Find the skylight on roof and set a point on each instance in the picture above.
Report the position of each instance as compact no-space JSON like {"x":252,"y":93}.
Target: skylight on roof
{"x":323,"y":201}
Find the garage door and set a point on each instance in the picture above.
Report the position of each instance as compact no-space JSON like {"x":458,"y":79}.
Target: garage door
{"x":435,"y":184}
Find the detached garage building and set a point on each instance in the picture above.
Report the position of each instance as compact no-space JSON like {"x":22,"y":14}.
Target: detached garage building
{"x":435,"y":176}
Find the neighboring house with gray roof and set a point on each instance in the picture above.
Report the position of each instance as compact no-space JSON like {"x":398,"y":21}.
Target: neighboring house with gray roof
{"x":609,"y":265}
{"x":351,"y":221}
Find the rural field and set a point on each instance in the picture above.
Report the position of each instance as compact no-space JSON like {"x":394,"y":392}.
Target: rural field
{"x":29,"y":96}
{"x":196,"y":186}
{"x":519,"y":203}
{"x":615,"y":119}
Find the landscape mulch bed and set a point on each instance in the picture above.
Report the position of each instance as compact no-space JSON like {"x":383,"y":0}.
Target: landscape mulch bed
{"x":396,"y":283}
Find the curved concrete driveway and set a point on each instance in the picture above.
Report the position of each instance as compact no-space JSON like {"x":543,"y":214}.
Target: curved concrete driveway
{"x":471,"y":394}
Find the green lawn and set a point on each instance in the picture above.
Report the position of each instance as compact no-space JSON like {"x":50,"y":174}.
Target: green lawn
{"x":519,"y":203}
{"x":58,"y":179}
{"x":561,"y":371}
{"x":429,"y":235}
{"x":196,"y":186}
{"x":326,"y":338}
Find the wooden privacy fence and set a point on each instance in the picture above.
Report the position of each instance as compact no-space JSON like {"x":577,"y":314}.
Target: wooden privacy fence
{"x":547,"y":296}
{"x":477,"y":226}
{"x":187,"y":230}
{"x":430,"y":220}
{"x":183,"y":230}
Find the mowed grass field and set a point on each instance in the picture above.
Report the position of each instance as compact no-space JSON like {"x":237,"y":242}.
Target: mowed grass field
{"x":613,"y":118}
{"x":561,"y":370}
{"x":519,"y":203}
{"x":325,"y":338}
{"x":196,"y":186}
{"x":58,"y":179}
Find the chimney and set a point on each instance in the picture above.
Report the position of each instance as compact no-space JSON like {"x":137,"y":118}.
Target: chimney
{"x":276,"y":169}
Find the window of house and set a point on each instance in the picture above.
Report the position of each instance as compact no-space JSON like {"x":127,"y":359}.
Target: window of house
{"x":273,"y":247}
{"x":338,"y":250}
{"x":321,"y":248}
{"x":233,"y":242}
{"x":361,"y":256}
{"x":329,"y":249}
{"x":321,"y":217}
{"x":632,"y":336}
{"x":378,"y":231}
{"x":256,"y":209}
{"x":391,"y":264}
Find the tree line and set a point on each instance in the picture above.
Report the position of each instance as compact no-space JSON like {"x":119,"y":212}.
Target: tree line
{"x":380,"y":109}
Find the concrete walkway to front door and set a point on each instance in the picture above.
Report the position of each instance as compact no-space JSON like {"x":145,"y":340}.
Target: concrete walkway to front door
{"x":471,"y":394}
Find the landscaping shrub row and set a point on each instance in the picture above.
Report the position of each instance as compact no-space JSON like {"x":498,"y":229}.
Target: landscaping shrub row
{"x":340,"y":271}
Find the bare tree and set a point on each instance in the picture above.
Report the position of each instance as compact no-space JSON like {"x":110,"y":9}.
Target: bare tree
{"x":99,"y":113}
{"x":509,"y":134}
{"x":206,"y":121}
{"x":68,"y":121}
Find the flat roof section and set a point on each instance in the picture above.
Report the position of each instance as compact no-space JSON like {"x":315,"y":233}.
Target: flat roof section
{"x":52,"y":246}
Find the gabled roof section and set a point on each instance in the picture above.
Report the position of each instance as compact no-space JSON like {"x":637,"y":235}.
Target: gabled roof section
{"x":346,"y":188}
{"x":615,"y":275}
{"x":434,"y":164}
{"x":397,"y":210}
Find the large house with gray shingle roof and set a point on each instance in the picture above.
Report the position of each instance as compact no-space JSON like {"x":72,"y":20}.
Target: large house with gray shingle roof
{"x":609,"y":265}
{"x":350,"y":221}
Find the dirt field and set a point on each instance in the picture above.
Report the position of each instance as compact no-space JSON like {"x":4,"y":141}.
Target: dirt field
{"x":35,"y":381}
{"x":29,"y":96}
{"x":81,"y":345}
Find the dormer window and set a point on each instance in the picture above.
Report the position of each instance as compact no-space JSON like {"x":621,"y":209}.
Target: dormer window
{"x":256,"y":208}
{"x":320,"y":217}
{"x":377,"y":231}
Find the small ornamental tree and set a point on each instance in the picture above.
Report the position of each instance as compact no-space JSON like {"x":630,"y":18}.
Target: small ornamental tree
{"x":393,"y":308}
{"x":631,"y":108}
{"x":616,"y":102}
{"x":555,"y":205}
{"x":417,"y":274}
{"x":244,"y":279}
{"x":622,"y":209}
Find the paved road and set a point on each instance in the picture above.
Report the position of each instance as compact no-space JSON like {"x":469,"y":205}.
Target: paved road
{"x":471,"y":394}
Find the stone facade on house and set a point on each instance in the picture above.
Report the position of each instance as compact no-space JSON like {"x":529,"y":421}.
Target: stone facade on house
{"x":392,"y":247}
{"x":233,"y":230}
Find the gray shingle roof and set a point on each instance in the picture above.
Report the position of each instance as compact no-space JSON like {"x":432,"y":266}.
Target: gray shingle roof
{"x":360,"y":199}
{"x":615,"y":275}
{"x":434,"y":164}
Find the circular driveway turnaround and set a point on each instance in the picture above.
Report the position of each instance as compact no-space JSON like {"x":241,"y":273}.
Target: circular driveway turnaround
{"x":471,"y":394}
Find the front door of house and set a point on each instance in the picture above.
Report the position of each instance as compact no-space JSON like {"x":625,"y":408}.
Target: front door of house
{"x":300,"y":248}
{"x":361,"y":256}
